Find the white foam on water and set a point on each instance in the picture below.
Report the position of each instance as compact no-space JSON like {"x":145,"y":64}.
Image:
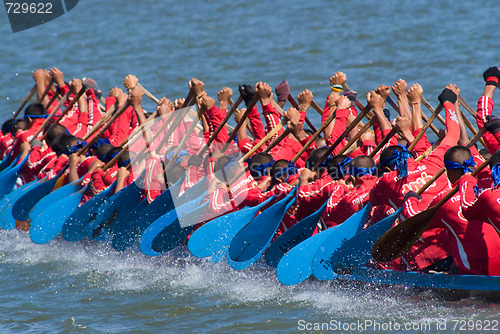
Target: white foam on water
{"x":179,"y":276}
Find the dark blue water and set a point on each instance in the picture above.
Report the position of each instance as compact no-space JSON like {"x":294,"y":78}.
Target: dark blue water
{"x":89,"y":288}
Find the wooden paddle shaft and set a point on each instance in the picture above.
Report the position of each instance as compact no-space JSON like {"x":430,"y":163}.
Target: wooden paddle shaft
{"x":351,"y":126}
{"x":384,"y":141}
{"x":184,"y":139}
{"x":221,"y":125}
{"x":426,"y":126}
{"x":53,"y":112}
{"x":467,"y":107}
{"x":265,"y":139}
{"x":46,"y":91}
{"x":296,"y":106}
{"x":314,"y":136}
{"x":424,"y":117}
{"x":240,"y":123}
{"x":26,"y":99}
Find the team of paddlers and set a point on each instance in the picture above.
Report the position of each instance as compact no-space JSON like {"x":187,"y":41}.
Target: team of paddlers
{"x":343,"y":163}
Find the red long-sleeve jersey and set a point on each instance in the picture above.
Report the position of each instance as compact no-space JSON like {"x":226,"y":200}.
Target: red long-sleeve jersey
{"x":485,"y":108}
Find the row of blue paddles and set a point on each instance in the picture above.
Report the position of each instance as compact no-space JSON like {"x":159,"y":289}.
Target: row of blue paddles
{"x":241,"y":236}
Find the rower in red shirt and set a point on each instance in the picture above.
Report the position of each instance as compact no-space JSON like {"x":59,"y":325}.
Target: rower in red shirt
{"x":485,"y":106}
{"x":403,"y":174}
{"x":474,"y":244}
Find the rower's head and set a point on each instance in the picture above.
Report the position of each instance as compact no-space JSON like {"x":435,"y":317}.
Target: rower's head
{"x":320,"y":142}
{"x":226,"y":168}
{"x":260,"y":165}
{"x":124,"y":159}
{"x":495,"y":168}
{"x":102,"y":151}
{"x":53,"y":131}
{"x":34,"y":111}
{"x":458,"y":160}
{"x":19,"y":125}
{"x":282,"y":170}
{"x":61,"y":143}
{"x":485,"y":153}
{"x":337,"y":167}
{"x":395,"y":158}
{"x":7,"y":126}
{"x":315,"y":157}
{"x":360,"y":166}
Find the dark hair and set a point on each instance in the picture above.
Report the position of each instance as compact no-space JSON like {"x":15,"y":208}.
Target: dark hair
{"x":315,"y":156}
{"x":387,"y":153}
{"x":122,"y":159}
{"x":19,"y":124}
{"x":256,"y":161}
{"x":333,"y":167}
{"x":36,"y":109}
{"x":277,"y":166}
{"x":61,"y":142}
{"x":53,"y":131}
{"x":485,"y":153}
{"x":363,"y":161}
{"x":110,"y":153}
{"x":495,"y":159}
{"x":457,"y":154}
{"x":175,"y":173}
{"x":6,"y":126}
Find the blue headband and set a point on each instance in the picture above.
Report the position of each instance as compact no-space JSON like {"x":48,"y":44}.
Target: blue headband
{"x":74,"y":148}
{"x":36,"y":116}
{"x":495,"y":174}
{"x":289,"y":170}
{"x":399,"y":160}
{"x":108,"y":157}
{"x":125,"y":163}
{"x":465,"y":166}
{"x":179,"y":156}
{"x":261,"y":169}
{"x":99,"y":143}
{"x":341,"y":166}
{"x":361,"y":171}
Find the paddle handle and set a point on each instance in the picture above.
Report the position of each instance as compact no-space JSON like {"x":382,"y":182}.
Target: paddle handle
{"x":265,"y":139}
{"x":241,"y":122}
{"x":314,"y":136}
{"x":425,"y":127}
{"x":466,"y":120}
{"x":351,"y":126}
{"x":46,"y":90}
{"x":296,"y":106}
{"x":383,"y":142}
{"x":26,"y":99}
{"x":442,"y":170}
{"x":424,"y":117}
{"x":221,"y":125}
{"x":356,"y":136}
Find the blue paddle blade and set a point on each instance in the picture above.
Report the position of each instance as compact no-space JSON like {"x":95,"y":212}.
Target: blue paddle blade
{"x":160,"y":206}
{"x":357,"y":251}
{"x":98,"y":216}
{"x":75,"y":227}
{"x":292,"y":237}
{"x":219,"y":232}
{"x":296,"y":265}
{"x":6,"y":220}
{"x":120,"y":207}
{"x":321,"y":266}
{"x":9,"y":177}
{"x":49,"y":223}
{"x":54,"y":197}
{"x":125,"y":232}
{"x":5,"y":162}
{"x":253,"y":238}
{"x":165,"y":233}
{"x":218,"y":256}
{"x":23,"y":206}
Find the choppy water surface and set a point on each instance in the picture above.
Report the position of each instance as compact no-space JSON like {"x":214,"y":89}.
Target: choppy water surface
{"x":89,"y":288}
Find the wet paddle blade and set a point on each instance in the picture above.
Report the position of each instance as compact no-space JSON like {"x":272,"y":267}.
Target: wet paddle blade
{"x":219,"y":232}
{"x":125,"y":233}
{"x":296,"y":266}
{"x":321,"y":267}
{"x":23,"y":206}
{"x":399,"y":239}
{"x":54,"y":197}
{"x":293,"y":236}
{"x":163,"y":233}
{"x":49,"y":224}
{"x":75,"y":227}
{"x":254,"y":238}
{"x":9,"y":177}
{"x":6,"y":220}
{"x":356,"y":252}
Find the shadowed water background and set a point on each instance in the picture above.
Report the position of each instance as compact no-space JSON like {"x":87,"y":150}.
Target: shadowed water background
{"x":89,"y":288}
